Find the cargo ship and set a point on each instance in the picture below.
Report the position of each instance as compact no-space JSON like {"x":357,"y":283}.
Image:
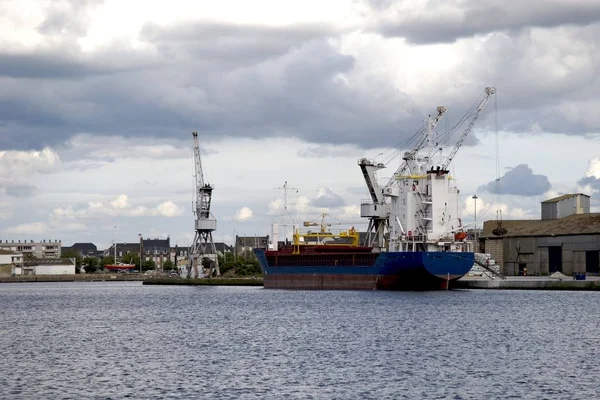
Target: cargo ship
{"x":415,"y":239}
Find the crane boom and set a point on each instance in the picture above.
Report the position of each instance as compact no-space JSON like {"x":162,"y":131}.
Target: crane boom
{"x":198,"y":164}
{"x":425,"y":139}
{"x":489,"y":91}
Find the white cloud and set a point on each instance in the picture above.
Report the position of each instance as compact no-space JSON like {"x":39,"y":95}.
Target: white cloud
{"x":594,"y":168}
{"x":18,"y":165}
{"x":168,"y":209}
{"x":32,"y":228}
{"x":120,"y":202}
{"x":117,"y":207}
{"x":243,"y":214}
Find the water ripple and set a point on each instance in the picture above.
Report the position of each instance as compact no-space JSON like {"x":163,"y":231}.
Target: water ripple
{"x":124,"y":340}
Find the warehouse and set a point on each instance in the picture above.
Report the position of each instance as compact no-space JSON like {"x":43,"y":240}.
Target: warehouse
{"x":49,"y":266}
{"x":565,"y":240}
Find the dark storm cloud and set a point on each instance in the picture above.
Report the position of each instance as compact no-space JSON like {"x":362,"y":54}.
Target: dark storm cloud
{"x":291,"y":88}
{"x":225,"y":42}
{"x":446,"y":21}
{"x":49,"y":65}
{"x":521,"y":181}
{"x":249,"y":81}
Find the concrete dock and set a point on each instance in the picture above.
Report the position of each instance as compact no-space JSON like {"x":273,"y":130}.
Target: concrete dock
{"x":528,"y":283}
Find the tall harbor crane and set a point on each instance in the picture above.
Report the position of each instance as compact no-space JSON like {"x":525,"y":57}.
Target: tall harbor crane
{"x":203,"y":254}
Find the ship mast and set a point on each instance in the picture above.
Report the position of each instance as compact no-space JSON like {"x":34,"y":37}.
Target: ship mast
{"x":203,"y":246}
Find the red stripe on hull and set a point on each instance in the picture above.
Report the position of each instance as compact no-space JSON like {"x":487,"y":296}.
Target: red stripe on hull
{"x":355,"y":282}
{"x":320,"y":282}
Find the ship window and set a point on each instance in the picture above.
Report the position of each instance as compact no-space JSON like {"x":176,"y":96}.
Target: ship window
{"x":375,"y":207}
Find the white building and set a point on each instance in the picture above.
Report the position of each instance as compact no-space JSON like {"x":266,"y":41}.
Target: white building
{"x":49,"y":266}
{"x":43,"y":249}
{"x":10,"y":262}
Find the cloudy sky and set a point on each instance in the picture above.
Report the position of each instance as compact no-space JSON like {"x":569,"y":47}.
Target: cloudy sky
{"x":98,"y":100}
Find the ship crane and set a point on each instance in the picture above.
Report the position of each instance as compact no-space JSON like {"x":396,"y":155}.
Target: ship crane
{"x":378,"y":210}
{"x":427,"y":138}
{"x":489,"y":91}
{"x":203,"y":252}
{"x":323,"y":225}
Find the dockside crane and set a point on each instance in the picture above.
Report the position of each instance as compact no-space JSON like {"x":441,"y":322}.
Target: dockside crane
{"x":203,"y":254}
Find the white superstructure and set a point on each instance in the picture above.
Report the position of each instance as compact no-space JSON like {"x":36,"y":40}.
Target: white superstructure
{"x":417,"y":210}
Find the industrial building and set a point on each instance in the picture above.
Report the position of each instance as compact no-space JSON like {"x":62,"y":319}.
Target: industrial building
{"x":43,"y":249}
{"x":566,"y":239}
{"x":48,"y":266}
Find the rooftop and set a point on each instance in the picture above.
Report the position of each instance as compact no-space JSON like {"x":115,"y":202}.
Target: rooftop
{"x":564,"y":197}
{"x":576,"y":224}
{"x":31,"y":262}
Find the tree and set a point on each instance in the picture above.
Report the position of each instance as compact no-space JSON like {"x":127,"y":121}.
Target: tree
{"x":73,"y":254}
{"x":90,"y":264}
{"x":132,"y":258}
{"x":168,"y":265}
{"x":108,"y":260}
{"x":148,"y":265}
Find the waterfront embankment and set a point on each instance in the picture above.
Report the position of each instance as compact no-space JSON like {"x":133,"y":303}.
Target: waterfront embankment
{"x":529,"y":283}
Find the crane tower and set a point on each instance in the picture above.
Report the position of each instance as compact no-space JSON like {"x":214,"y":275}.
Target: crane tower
{"x":203,"y":254}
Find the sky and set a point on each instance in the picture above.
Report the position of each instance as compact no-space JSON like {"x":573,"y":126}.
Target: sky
{"x":99,"y":100}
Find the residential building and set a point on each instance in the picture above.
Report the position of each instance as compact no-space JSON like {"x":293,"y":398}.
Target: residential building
{"x":43,"y":249}
{"x":157,"y":250}
{"x":245,"y":244}
{"x":84,"y":249}
{"x":223,"y":249}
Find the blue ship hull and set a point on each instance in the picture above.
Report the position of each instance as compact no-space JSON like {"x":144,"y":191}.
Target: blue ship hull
{"x":384,"y":271}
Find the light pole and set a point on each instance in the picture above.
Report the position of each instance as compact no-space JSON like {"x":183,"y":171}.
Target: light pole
{"x":476,"y":243}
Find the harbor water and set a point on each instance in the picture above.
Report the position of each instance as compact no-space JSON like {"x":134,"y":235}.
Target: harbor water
{"x":115,"y":340}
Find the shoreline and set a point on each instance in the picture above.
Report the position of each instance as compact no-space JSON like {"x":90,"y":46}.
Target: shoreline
{"x":592,"y":283}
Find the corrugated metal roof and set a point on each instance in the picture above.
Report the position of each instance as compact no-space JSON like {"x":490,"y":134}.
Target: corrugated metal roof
{"x":563,"y":197}
{"x":32,"y":262}
{"x":577,"y":224}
